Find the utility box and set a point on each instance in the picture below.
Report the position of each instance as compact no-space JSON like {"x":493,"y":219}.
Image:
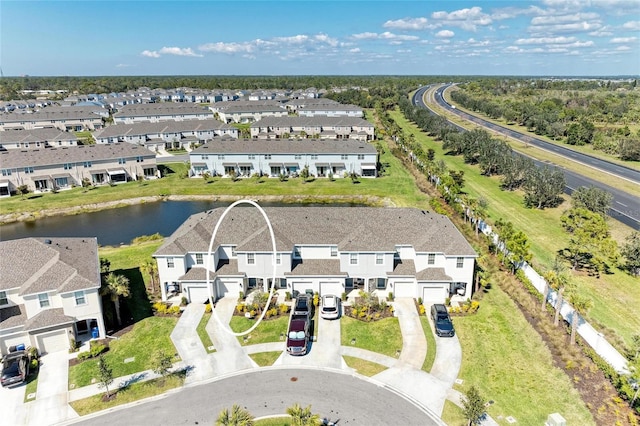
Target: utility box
{"x":555,"y":419}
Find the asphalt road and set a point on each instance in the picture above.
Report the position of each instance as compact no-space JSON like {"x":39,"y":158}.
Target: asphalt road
{"x":340,"y":398}
{"x":624,"y":207}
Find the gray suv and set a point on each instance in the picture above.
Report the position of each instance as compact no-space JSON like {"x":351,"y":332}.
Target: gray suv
{"x":441,"y":321}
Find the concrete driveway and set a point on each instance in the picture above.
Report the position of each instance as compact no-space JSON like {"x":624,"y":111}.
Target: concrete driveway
{"x":13,"y":407}
{"x":51,"y":404}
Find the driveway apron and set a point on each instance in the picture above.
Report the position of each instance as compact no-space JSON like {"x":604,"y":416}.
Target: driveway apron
{"x":414,"y":344}
{"x":51,"y":404}
{"x":188,"y":343}
{"x":229,"y":355}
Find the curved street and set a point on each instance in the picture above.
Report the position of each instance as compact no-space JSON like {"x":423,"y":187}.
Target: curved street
{"x":624,"y":207}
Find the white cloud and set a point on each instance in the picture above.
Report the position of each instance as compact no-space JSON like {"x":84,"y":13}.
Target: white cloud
{"x":123,"y":65}
{"x":354,"y":50}
{"x":323,"y":38}
{"x":623,"y":39}
{"x":150,"y":53}
{"x":546,"y":40}
{"x":385,"y":36}
{"x":467,"y":19}
{"x":445,"y":34}
{"x":622,"y":48}
{"x":221,"y":47}
{"x":296,"y":39}
{"x":179,"y":51}
{"x":365,"y":36}
{"x":561,"y":19}
{"x":632,"y":25}
{"x":409,"y":24}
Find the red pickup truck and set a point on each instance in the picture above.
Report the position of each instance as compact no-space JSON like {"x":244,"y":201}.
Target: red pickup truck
{"x":298,"y":335}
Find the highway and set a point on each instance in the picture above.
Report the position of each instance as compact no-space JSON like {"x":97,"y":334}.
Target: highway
{"x":624,"y":207}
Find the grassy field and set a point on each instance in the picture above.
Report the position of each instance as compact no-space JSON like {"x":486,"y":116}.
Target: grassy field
{"x":618,"y":289}
{"x":395,"y":187}
{"x":510,"y":364}
{"x":202,"y":333}
{"x":381,"y":336}
{"x":129,"y":394}
{"x":274,"y":421}
{"x":267,"y":331}
{"x":452,"y":415}
{"x":364,"y":367}
{"x":265,"y":359}
{"x":431,"y":345}
{"x":147,"y":338}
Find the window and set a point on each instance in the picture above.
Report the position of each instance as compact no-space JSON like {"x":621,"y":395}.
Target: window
{"x":431,"y":259}
{"x":3,"y":298}
{"x":381,"y":283}
{"x":68,"y":166}
{"x":379,"y":259}
{"x":87,"y":164}
{"x":360,"y":156}
{"x":334,"y":251}
{"x":251,"y":259}
{"x":6,"y":172}
{"x":199,"y":259}
{"x":204,"y":157}
{"x":460,"y":262}
{"x":122,"y":161}
{"x":170,"y":263}
{"x":296,"y":252}
{"x":298,"y":156}
{"x":251,"y":156}
{"x":80,"y":299}
{"x":43,"y":298}
{"x":220,"y":156}
{"x":278,"y":259}
{"x":233,"y":251}
{"x":267,"y":156}
{"x":353,"y":259}
{"x":344,"y":157}
{"x":139,"y":159}
{"x":28,"y":170}
{"x":314,"y":156}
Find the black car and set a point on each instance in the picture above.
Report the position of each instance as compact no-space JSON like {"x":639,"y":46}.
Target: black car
{"x":15,"y":367}
{"x":441,"y":321}
{"x":302,"y":305}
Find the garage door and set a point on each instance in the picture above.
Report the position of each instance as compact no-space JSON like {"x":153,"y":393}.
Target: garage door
{"x":198,"y":294}
{"x":434,"y":294}
{"x":405,"y":289}
{"x":228,"y":288}
{"x":331,"y":288}
{"x":301,"y":287}
{"x":53,"y":342}
{"x":14,"y":341}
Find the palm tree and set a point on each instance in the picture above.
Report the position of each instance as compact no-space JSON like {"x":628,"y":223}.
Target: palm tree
{"x":150,"y":267}
{"x":581,"y":305}
{"x":559,"y":281}
{"x":115,"y":286}
{"x":238,"y":416}
{"x":302,"y":416}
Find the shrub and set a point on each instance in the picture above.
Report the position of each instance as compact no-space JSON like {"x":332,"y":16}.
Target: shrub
{"x":160,"y":308}
{"x":390,"y":296}
{"x":241,"y":307}
{"x":284,"y":308}
{"x":419,"y":300}
{"x":287,"y":295}
{"x":343,"y":296}
{"x":174,"y":310}
{"x":241,"y":295}
{"x":96,"y":349}
{"x":207,"y":308}
{"x":184,"y":301}
{"x":422,"y":310}
{"x":316,"y":299}
{"x":82,"y":356}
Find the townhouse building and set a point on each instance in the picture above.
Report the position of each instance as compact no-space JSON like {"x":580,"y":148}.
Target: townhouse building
{"x":338,"y":110}
{"x":322,"y":157}
{"x":52,"y":169}
{"x":67,"y":119}
{"x":247,"y":111}
{"x":49,"y":293}
{"x":317,"y":127}
{"x":331,"y":250}
{"x":36,"y":139}
{"x":166,"y":134}
{"x":155,"y":112}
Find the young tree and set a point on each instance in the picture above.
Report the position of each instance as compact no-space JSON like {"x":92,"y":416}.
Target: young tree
{"x":581,"y":305}
{"x":595,"y":199}
{"x":559,"y":281}
{"x":150,"y":267}
{"x":631,"y":253}
{"x":105,"y":375}
{"x":590,"y":242}
{"x":115,"y":286}
{"x":473,"y":406}
{"x":518,"y":248}
{"x":238,"y":416}
{"x":22,"y":190}
{"x":302,"y":416}
{"x":162,"y":364}
{"x":105,"y":265}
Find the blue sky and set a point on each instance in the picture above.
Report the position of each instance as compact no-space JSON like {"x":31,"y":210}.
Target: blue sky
{"x":549,"y":37}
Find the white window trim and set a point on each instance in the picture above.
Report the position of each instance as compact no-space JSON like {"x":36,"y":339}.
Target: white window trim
{"x":44,"y":301}
{"x":199,"y":259}
{"x":4,"y":297}
{"x":353,"y":258}
{"x":460,"y":262}
{"x":170,"y":262}
{"x":431,"y":258}
{"x":83,"y":297}
{"x":251,"y":258}
{"x":379,"y":258}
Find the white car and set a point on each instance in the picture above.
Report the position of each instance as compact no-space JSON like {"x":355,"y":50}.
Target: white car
{"x":330,"y":308}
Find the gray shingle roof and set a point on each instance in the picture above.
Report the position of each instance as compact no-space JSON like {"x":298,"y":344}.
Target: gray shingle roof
{"x":142,"y":110}
{"x":311,"y":121}
{"x":161,"y":127}
{"x":72,"y":154}
{"x":12,"y":316}
{"x":284,"y":146}
{"x":36,"y":135}
{"x":432,"y":274}
{"x":350,"y":228}
{"x":48,"y":318}
{"x":316,"y":267}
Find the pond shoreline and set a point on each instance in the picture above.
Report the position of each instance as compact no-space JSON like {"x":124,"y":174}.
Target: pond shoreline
{"x":86,"y":208}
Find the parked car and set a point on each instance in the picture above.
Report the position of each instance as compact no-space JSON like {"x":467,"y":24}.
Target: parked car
{"x":302,"y":305}
{"x":330,"y":308}
{"x":298,"y":335}
{"x":442,"y":321}
{"x":15,"y":368}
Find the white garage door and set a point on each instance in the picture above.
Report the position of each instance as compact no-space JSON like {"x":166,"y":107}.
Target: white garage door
{"x":228,"y":288}
{"x":14,"y":341}
{"x":198,"y":294}
{"x":53,"y":342}
{"x":301,"y":287}
{"x":434,"y":294}
{"x":405,"y":289}
{"x":331,"y":288}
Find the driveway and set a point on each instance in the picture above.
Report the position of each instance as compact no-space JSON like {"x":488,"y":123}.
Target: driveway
{"x":14,"y":410}
{"x":414,"y":344}
{"x":188,"y":343}
{"x":51,"y":404}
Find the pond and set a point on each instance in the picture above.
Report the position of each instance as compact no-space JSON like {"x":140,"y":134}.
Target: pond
{"x":121,"y":225}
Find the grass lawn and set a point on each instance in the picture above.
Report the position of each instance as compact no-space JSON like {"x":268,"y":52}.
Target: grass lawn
{"x":510,"y":364}
{"x":396,"y":186}
{"x":381,"y":336}
{"x":148,"y":337}
{"x":265,"y":359}
{"x":274,"y":421}
{"x":452,"y":415}
{"x":31,"y":387}
{"x":618,"y":290}
{"x":267,"y":331}
{"x":202,"y":332}
{"x":134,"y":392}
{"x":431,"y":344}
{"x":364,"y":367}
{"x":129,"y":256}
